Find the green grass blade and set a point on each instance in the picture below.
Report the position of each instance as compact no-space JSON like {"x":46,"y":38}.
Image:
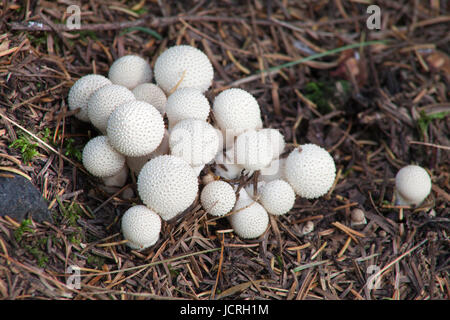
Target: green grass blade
{"x":143,"y":29}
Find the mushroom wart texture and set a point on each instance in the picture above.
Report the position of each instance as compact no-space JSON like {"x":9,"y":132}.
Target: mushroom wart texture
{"x":141,"y":227}
{"x":130,"y":71}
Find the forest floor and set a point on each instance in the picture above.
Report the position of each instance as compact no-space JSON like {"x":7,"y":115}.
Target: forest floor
{"x":376,"y":107}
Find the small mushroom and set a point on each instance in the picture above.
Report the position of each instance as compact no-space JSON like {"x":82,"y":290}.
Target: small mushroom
{"x":183,"y":66}
{"x":310,"y":170}
{"x":249,"y":219}
{"x":101,"y":159}
{"x":235,"y":111}
{"x":195,"y":141}
{"x":218,"y":198}
{"x":135,"y":128}
{"x":168,"y":185}
{"x":82,"y":90}
{"x":152,"y":94}
{"x":412,"y":184}
{"x":141,"y":227}
{"x":186,"y":103}
{"x":104,"y":101}
{"x":130,"y":71}
{"x":277,"y":197}
{"x":357,"y":217}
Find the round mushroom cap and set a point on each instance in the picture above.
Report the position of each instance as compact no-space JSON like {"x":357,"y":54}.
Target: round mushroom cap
{"x":135,"y":128}
{"x":277,"y":197}
{"x":183,"y":66}
{"x":235,"y":111}
{"x":152,"y":94}
{"x":186,"y":103}
{"x":141,"y":227}
{"x":103,"y":102}
{"x":82,"y":90}
{"x":101,"y":159}
{"x":253,"y":150}
{"x":413,"y":185}
{"x":276,"y":140}
{"x":218,"y":198}
{"x":195,"y":141}
{"x":310,"y":170}
{"x":130,"y":71}
{"x":249,"y":219}
{"x":168,"y":185}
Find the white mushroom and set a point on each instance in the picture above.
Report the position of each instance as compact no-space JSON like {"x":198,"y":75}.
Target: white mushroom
{"x":101,"y":159}
{"x":195,"y":141}
{"x":152,"y":94}
{"x":310,"y":170}
{"x":187,"y":103}
{"x":357,"y":217}
{"x":82,"y":90}
{"x":141,"y":227}
{"x":235,"y":111}
{"x":253,"y":150}
{"x":218,"y":198}
{"x":277,"y":197}
{"x":135,"y":128}
{"x":130,"y":71}
{"x":168,"y":185}
{"x":136,"y":163}
{"x":412,"y":185}
{"x":249,"y":219}
{"x":103,"y":102}
{"x":183,"y":66}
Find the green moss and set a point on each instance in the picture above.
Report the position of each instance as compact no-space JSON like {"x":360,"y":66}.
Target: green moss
{"x":24,"y":227}
{"x":325,"y":93}
{"x":27,"y":148}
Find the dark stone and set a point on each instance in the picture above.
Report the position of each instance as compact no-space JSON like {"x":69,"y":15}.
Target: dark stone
{"x":20,"y":199}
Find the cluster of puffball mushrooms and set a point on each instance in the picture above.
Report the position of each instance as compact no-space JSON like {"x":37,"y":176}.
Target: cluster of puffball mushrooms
{"x":130,"y":111}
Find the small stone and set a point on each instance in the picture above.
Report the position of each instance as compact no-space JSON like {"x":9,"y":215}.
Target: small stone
{"x":20,"y":199}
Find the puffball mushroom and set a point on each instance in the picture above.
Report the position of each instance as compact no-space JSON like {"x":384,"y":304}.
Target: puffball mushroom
{"x":235,"y":111}
{"x":130,"y":71}
{"x":249,"y":219}
{"x":103,"y":102}
{"x":152,"y":94}
{"x":412,"y":185}
{"x":141,"y":227}
{"x":253,"y":150}
{"x":277,"y":197}
{"x":167,"y":185}
{"x":135,"y":128}
{"x":187,"y":103}
{"x":195,"y":141}
{"x":183,"y":66}
{"x":82,"y":90}
{"x":218,"y":198}
{"x":101,"y":159}
{"x":310,"y":170}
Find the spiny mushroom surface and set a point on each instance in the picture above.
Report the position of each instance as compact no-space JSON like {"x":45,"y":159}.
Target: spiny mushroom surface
{"x":130,"y":71}
{"x":183,"y":66}
{"x":186,"y":103}
{"x":103,"y":102}
{"x":235,"y":111}
{"x":101,"y":159}
{"x":195,"y":141}
{"x":310,"y":170}
{"x":412,"y":184}
{"x":82,"y":90}
{"x":135,"y":128}
{"x":218,"y":198}
{"x":249,"y":219}
{"x":141,"y":227}
{"x":277,"y":197}
{"x":168,"y":185}
{"x":152,"y":94}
